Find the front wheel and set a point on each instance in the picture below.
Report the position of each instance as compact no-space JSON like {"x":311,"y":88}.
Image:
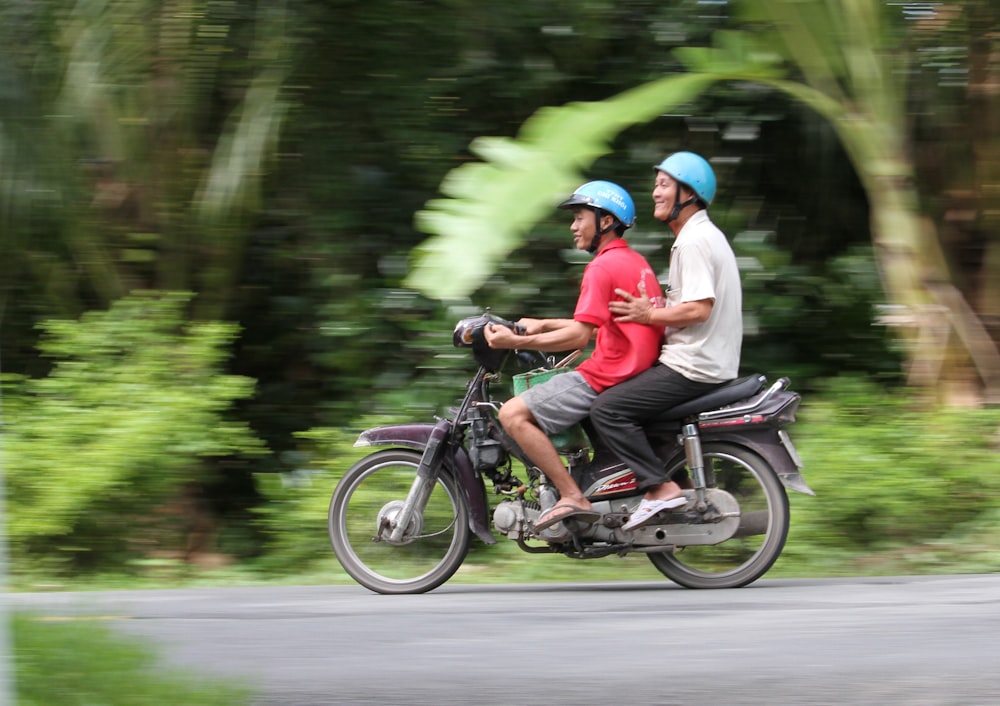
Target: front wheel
{"x":363,"y":510}
{"x":764,"y":520}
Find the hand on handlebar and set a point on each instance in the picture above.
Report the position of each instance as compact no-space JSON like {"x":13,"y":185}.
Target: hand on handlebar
{"x":528,"y":327}
{"x":503,"y":334}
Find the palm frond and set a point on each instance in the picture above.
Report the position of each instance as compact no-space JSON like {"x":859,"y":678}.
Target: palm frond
{"x":491,"y":205}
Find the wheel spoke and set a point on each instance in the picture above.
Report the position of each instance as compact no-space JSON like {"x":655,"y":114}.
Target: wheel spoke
{"x":369,"y":498}
{"x":762,"y":530}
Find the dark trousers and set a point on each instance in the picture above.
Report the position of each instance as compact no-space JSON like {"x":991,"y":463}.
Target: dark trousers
{"x":621,"y":413}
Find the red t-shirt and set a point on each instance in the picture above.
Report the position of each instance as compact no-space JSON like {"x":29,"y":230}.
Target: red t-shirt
{"x":622,"y":350}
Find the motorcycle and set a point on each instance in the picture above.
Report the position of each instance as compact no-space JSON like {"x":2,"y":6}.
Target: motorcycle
{"x":401,"y":518}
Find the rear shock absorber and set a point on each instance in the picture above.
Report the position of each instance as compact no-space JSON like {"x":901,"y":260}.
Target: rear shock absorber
{"x":695,"y":462}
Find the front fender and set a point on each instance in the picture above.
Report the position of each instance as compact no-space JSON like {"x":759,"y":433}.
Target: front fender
{"x":411,"y":436}
{"x":416,"y":436}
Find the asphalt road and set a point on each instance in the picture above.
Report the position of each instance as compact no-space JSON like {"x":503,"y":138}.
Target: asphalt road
{"x":903,"y":640}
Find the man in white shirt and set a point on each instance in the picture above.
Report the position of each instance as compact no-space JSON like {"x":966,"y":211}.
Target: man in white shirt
{"x":704,"y":330}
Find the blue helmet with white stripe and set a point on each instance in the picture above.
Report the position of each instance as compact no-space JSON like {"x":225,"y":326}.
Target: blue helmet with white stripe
{"x":605,"y":196}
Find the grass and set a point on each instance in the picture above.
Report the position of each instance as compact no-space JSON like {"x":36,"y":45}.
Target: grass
{"x":81,"y":662}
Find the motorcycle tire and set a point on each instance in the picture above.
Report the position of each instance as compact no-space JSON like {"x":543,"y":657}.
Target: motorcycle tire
{"x":764,"y":521}
{"x":364,"y":502}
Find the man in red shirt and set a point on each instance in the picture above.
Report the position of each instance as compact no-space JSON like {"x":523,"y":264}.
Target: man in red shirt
{"x":602,"y":212}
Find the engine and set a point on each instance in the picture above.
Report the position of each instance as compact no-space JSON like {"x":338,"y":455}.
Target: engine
{"x":510,"y":518}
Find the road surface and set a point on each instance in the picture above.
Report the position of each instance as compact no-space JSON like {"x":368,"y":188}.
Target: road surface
{"x":899,"y":640}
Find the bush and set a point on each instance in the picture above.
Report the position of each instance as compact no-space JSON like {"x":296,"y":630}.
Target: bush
{"x":294,"y":513}
{"x":893,"y":478}
{"x":134,"y":400}
{"x":789,"y":307}
{"x":900,"y":488}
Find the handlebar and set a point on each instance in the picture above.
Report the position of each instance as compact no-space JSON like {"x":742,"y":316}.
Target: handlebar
{"x":517,"y":328}
{"x":469,"y":334}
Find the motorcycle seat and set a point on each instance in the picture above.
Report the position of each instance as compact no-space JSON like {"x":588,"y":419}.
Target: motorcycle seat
{"x":726,"y":393}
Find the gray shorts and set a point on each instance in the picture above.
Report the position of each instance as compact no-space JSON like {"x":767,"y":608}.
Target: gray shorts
{"x":560,"y":402}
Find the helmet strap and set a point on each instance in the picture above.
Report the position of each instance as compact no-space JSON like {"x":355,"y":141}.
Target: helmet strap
{"x":599,"y":232}
{"x":679,"y":205}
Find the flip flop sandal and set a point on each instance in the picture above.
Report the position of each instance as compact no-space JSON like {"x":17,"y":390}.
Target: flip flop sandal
{"x":648,"y":509}
{"x":576,"y":512}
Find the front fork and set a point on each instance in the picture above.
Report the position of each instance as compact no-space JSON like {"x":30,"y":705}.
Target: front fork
{"x":423,"y":484}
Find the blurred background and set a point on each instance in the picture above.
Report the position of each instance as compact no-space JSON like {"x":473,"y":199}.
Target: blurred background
{"x":207,"y":212}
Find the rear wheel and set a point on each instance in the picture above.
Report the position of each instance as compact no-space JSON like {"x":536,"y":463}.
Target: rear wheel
{"x":363,"y":511}
{"x":764,"y":520}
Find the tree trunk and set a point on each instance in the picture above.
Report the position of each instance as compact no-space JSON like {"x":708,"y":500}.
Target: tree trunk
{"x":912,"y":267}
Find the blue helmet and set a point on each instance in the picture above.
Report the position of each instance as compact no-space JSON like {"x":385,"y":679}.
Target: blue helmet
{"x":691,"y":170}
{"x":605,"y":196}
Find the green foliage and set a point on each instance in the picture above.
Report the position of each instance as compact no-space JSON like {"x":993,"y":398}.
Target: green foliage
{"x":900,"y":487}
{"x":847,"y":72}
{"x":80,"y":663}
{"x":491,"y":205}
{"x":893,"y":478}
{"x":476,"y":223}
{"x":788,"y":308}
{"x":297,"y":503}
{"x":127,"y":127}
{"x":134,"y":400}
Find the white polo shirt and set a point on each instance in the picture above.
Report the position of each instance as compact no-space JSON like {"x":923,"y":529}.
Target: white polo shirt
{"x":703,"y":266}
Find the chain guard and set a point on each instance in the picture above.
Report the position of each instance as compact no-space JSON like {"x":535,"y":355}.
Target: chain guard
{"x":688,"y":527}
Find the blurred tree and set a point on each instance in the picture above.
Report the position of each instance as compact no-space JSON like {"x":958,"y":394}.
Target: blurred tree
{"x":136,"y":144}
{"x":852,"y":77}
{"x":269,"y":157}
{"x":850,"y":70}
{"x":378,"y":122}
{"x":954,"y":110}
{"x":135,"y":147}
{"x":140,"y":152}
